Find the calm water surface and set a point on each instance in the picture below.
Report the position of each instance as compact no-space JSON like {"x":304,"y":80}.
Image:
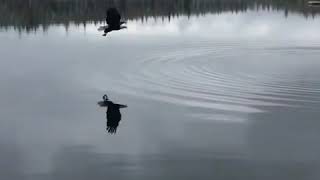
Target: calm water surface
{"x":216,"y":96}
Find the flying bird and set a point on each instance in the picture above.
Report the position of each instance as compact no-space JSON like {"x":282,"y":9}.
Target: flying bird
{"x":113,"y":114}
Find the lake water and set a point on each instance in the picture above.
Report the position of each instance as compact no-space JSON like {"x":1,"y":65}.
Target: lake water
{"x":213,"y":96}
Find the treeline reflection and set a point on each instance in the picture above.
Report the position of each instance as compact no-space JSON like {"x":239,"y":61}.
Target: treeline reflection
{"x":30,"y":15}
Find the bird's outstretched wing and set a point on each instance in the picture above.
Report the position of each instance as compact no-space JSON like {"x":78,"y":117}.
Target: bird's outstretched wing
{"x":103,"y":103}
{"x":102,"y":28}
{"x":122,"y":106}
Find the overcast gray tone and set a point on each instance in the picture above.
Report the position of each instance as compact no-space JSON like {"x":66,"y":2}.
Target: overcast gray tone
{"x":228,"y":96}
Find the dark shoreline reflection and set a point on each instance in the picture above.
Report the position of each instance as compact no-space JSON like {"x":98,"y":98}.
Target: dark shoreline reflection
{"x":33,"y":15}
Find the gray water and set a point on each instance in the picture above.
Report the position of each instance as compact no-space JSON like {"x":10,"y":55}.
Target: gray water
{"x":216,"y":96}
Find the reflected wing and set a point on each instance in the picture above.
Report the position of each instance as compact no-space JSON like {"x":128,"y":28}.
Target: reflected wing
{"x":102,"y":28}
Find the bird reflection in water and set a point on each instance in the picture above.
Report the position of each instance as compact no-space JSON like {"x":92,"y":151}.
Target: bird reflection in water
{"x":113,"y":114}
{"x":114,"y":22}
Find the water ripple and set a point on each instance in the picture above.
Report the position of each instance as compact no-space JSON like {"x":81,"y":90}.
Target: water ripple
{"x":225,"y":76}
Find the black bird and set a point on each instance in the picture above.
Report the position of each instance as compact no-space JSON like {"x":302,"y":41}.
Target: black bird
{"x":113,"y":114}
{"x":113,"y":20}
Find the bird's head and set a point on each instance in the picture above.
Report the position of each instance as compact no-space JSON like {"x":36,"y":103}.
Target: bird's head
{"x":105,"y":97}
